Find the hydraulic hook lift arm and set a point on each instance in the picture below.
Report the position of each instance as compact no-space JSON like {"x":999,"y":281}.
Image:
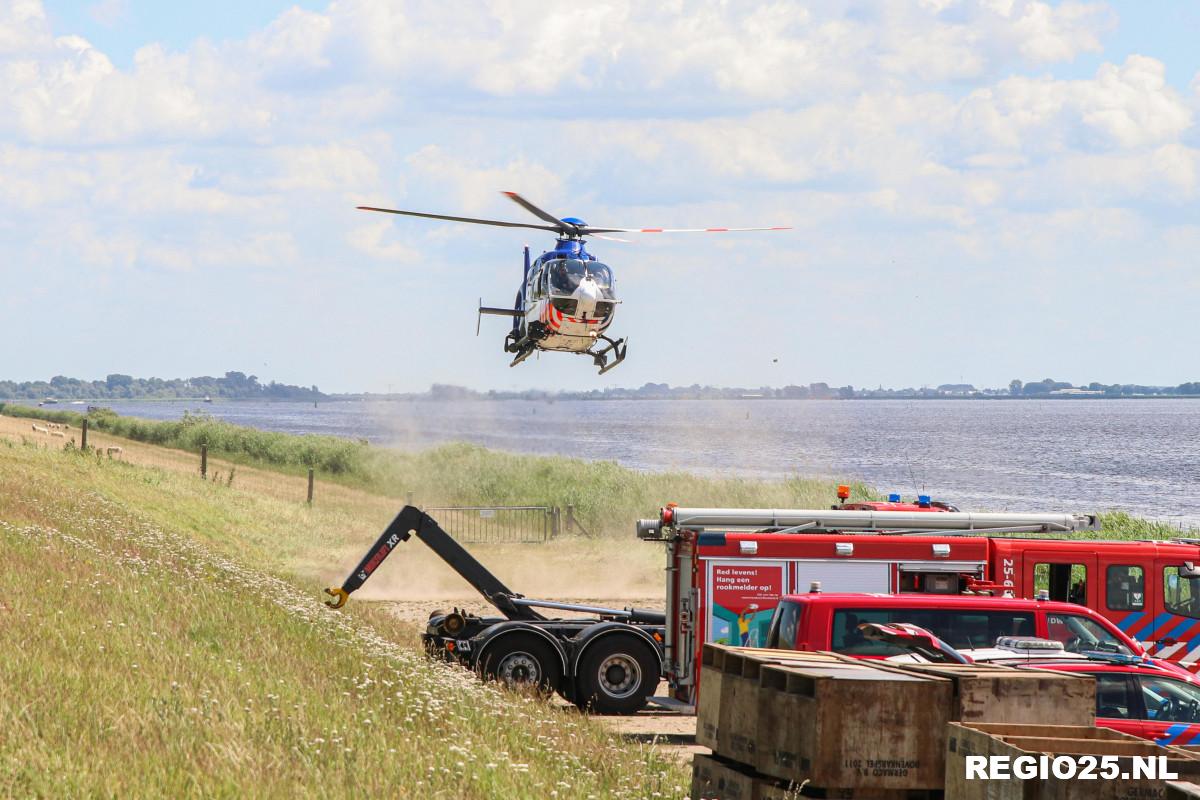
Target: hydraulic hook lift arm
{"x":413,"y":521}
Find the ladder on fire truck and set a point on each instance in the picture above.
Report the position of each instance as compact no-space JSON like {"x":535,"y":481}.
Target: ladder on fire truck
{"x":775,"y":520}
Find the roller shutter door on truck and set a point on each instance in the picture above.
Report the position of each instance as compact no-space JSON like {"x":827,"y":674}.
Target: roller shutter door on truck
{"x":843,"y":576}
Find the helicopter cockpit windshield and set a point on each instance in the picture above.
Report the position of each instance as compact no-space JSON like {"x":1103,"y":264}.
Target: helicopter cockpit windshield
{"x":565,"y":275}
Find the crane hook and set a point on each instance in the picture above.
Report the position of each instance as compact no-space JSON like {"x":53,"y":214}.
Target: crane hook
{"x":339,"y":595}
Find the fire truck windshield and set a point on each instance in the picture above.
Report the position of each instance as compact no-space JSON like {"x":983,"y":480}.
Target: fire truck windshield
{"x":1181,"y":594}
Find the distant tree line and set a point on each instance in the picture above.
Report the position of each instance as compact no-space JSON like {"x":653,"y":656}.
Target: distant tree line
{"x":1047,"y":388}
{"x":239,"y":386}
{"x":234,"y":386}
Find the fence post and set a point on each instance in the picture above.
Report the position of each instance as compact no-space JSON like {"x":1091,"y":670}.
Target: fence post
{"x":204,"y":461}
{"x":570,"y":518}
{"x":554,"y":522}
{"x":310,"y":485}
{"x":83,"y":435}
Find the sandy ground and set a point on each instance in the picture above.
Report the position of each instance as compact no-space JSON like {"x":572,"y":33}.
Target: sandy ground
{"x":605,"y":572}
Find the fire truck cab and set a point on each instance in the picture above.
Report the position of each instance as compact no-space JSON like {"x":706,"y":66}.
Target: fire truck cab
{"x":727,"y":570}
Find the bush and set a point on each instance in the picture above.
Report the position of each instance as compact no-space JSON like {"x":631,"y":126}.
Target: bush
{"x":329,"y":454}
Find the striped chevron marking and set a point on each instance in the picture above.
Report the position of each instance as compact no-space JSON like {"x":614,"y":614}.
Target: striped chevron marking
{"x":1180,"y":734}
{"x":1184,"y":630}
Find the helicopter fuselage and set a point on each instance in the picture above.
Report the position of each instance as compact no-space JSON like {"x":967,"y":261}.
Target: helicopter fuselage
{"x":567,"y":299}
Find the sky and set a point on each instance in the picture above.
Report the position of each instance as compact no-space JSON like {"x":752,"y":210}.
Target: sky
{"x":978,"y":191}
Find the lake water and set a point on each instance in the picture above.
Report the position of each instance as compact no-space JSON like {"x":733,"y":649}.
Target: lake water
{"x":1033,"y":455}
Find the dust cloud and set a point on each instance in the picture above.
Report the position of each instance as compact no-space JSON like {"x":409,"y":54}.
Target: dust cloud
{"x":562,"y":569}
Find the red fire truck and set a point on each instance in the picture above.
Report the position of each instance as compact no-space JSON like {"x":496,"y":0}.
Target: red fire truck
{"x":728,"y":568}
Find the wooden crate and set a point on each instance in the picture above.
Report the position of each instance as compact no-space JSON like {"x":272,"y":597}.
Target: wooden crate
{"x":1183,"y":790}
{"x":737,"y":737}
{"x":852,"y":725}
{"x":789,"y":792}
{"x":1052,"y":731}
{"x":724,"y":687}
{"x":995,"y":693}
{"x":715,"y":778}
{"x":1034,"y":740}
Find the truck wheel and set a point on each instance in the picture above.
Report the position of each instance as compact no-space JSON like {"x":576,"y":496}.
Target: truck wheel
{"x":616,"y":675}
{"x":522,"y":661}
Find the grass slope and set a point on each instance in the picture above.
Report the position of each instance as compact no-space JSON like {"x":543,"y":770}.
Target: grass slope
{"x":152,"y":644}
{"x":607,"y":497}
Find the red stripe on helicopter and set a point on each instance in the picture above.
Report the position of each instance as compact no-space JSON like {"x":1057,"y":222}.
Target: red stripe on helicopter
{"x":585,"y":321}
{"x":651,"y":230}
{"x":715,"y":230}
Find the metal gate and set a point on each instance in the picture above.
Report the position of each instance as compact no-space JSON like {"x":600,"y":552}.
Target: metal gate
{"x":473,"y":524}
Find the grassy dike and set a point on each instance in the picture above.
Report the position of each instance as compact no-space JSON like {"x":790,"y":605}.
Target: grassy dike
{"x":606,"y":496}
{"x":154,"y":643}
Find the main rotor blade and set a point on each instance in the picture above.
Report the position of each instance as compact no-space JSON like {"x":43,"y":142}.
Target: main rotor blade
{"x":537,"y":212}
{"x":589,"y":231}
{"x":471,"y":220}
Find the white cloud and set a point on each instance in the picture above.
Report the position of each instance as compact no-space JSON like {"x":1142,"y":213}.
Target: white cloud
{"x":1125,"y":106}
{"x":1047,"y":34}
{"x":473,"y":187}
{"x":334,"y":168}
{"x":23,"y":27}
{"x":936,"y":128}
{"x":373,"y":239}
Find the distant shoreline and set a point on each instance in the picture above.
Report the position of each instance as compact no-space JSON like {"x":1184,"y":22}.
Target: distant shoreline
{"x":551,"y":398}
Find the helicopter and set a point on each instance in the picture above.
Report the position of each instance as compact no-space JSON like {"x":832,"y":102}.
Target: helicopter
{"x":566,"y":300}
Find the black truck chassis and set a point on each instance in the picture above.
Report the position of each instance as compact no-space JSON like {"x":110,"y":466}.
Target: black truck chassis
{"x":608,"y":662}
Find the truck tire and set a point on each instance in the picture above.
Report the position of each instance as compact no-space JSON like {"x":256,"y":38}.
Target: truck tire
{"x":522,"y":660}
{"x":616,"y":675}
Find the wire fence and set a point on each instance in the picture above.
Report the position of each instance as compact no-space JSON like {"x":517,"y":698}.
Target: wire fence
{"x":489,"y":524}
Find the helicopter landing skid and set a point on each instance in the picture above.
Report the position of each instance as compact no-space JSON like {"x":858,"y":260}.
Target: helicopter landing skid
{"x":521,"y":356}
{"x":617,"y":348}
{"x":522,"y":347}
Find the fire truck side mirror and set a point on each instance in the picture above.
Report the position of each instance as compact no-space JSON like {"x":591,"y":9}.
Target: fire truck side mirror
{"x":1189,"y":570}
